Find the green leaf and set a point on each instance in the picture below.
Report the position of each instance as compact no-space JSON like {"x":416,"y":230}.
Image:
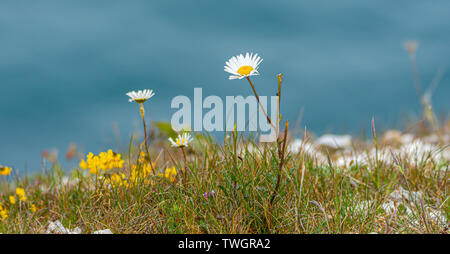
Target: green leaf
{"x":166,"y":128}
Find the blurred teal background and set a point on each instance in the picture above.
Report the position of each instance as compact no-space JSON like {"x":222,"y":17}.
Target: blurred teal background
{"x":65,"y":66}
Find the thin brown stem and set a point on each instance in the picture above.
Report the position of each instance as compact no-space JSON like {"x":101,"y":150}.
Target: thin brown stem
{"x":185,"y":165}
{"x":235,"y":158}
{"x":280,"y":165}
{"x":280,"y":79}
{"x":259,"y":102}
{"x":142,"y":111}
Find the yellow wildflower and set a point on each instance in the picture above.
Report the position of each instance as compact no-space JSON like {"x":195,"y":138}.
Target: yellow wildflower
{"x":116,"y":180}
{"x":141,"y":174}
{"x":33,"y":208}
{"x":170,"y":174}
{"x":83,"y":164}
{"x":147,"y":169}
{"x":21,"y":193}
{"x":104,"y":161}
{"x":12,"y":200}
{"x":4,"y":171}
{"x":142,"y":157}
{"x":3,"y":214}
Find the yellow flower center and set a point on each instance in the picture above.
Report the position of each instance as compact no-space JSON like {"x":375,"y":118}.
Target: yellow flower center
{"x":180,"y":142}
{"x":140,"y":100}
{"x":245,"y":70}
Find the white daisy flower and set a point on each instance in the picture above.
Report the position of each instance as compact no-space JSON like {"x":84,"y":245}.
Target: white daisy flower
{"x":182,"y":140}
{"x":140,"y":96}
{"x":243,"y":66}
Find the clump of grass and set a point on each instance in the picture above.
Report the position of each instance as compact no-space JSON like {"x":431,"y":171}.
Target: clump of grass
{"x":314,"y":196}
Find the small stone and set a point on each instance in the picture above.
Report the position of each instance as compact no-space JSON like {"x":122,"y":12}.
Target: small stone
{"x":335,"y":141}
{"x":407,"y":138}
{"x":392,"y":137}
{"x":57,"y":227}
{"x":103,"y":232}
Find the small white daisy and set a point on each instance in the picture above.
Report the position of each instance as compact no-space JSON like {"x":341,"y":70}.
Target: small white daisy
{"x":182,"y":140}
{"x":140,"y":96}
{"x":243,"y":66}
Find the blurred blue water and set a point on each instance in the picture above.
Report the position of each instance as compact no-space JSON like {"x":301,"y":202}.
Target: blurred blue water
{"x":65,"y":66}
